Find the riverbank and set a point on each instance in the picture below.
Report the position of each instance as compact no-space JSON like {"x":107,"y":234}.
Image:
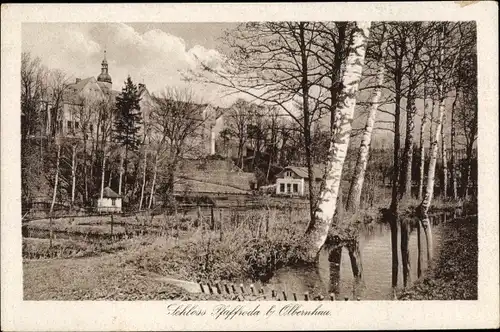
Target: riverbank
{"x":241,"y":248}
{"x":454,"y":274}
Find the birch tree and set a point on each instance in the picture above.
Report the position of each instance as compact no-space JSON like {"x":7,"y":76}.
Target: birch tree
{"x":443,"y":70}
{"x":317,"y":232}
{"x":418,"y":33}
{"x":423,"y":126}
{"x":354,"y":196}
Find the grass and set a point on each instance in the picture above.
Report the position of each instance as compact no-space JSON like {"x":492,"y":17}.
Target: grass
{"x":454,"y":276}
{"x":245,"y":246}
{"x":97,"y":278}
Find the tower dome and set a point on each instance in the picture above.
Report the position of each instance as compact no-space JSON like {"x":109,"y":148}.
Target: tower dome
{"x":104,"y":75}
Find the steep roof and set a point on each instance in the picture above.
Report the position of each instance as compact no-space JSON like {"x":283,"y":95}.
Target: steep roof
{"x":109,"y":193}
{"x":78,"y":86}
{"x":318,"y":171}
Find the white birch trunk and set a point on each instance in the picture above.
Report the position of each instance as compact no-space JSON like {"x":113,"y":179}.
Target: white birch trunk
{"x":444,"y":161}
{"x":121,"y":175}
{"x":453,"y":170}
{"x":426,"y":202}
{"x":103,"y":173}
{"x":423,"y":125}
{"x":73,"y":174}
{"x":354,"y":197}
{"x":145,"y":161}
{"x":317,"y":233}
{"x":152,"y":193}
{"x":56,"y":178}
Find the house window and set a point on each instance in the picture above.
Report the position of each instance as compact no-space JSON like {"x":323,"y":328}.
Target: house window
{"x":288,"y":187}
{"x":77,"y":125}
{"x":282,"y":187}
{"x":295,"y":187}
{"x":288,"y":174}
{"x":113,"y":201}
{"x":91,"y":128}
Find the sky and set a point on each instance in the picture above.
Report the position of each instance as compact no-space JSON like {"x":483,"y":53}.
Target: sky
{"x":154,"y":54}
{"x":151,"y":53}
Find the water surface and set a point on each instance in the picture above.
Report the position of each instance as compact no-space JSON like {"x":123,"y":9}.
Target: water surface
{"x":375,"y":247}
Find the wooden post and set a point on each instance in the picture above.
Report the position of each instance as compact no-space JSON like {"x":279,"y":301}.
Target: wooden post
{"x":267,"y":222}
{"x":201,"y":286}
{"x":221,"y":232}
{"x":112,"y":226}
{"x":294,"y":296}
{"x":212,"y":219}
{"x":284,"y":296}
{"x":143,"y":226}
{"x":51,"y":231}
{"x":199,"y":216}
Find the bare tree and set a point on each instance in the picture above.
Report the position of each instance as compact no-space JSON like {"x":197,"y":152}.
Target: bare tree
{"x":177,"y":120}
{"x":33,"y":92}
{"x":444,"y":69}
{"x":317,"y":231}
{"x":237,"y":119}
{"x":354,"y":196}
{"x":275,"y":63}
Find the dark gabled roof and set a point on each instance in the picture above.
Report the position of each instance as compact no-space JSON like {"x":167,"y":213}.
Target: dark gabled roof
{"x":109,"y":193}
{"x":318,"y":171}
{"x":77,"y":87}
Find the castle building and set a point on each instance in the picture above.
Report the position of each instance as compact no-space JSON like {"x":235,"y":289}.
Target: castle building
{"x":82,"y":107}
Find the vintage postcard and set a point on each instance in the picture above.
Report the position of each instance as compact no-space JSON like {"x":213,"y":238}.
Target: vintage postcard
{"x":250,"y":166}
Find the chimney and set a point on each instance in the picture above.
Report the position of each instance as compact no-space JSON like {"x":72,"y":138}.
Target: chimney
{"x":78,"y":80}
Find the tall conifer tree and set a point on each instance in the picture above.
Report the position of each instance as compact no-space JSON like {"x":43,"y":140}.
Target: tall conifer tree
{"x":128,"y":121}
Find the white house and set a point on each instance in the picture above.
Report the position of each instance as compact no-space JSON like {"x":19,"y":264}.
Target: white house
{"x":293,"y":180}
{"x":110,"y":202}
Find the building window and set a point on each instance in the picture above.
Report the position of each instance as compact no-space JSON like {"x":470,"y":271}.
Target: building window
{"x":77,"y":125}
{"x":288,"y":187}
{"x":282,"y":187}
{"x":288,"y":173}
{"x":91,"y":128}
{"x":113,"y":201}
{"x":295,"y":187}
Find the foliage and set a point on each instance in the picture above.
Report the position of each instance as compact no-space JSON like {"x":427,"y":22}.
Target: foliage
{"x":128,"y":120}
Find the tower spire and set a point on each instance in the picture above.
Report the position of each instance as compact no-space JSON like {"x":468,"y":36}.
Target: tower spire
{"x":104,"y":76}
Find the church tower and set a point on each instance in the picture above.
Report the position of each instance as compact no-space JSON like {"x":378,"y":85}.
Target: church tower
{"x":104,"y":79}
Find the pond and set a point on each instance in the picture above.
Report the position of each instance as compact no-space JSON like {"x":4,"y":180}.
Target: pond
{"x":375,"y":247}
